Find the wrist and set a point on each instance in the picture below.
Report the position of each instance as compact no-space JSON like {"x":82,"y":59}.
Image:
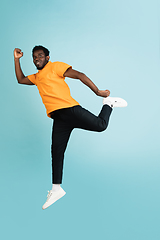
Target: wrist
{"x":16,"y":59}
{"x":98,"y":92}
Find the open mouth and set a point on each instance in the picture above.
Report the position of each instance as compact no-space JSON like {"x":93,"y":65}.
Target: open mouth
{"x":38,"y":65}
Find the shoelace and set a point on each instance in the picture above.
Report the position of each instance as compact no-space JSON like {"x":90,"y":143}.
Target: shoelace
{"x":49,"y":194}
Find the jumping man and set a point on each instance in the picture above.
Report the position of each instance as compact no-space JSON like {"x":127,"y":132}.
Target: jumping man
{"x":62,"y":108}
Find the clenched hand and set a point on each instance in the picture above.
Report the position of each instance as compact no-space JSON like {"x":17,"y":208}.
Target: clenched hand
{"x":18,"y":53}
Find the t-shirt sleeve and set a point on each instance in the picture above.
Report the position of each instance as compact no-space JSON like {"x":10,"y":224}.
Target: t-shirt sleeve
{"x":32,"y":78}
{"x":60,"y":68}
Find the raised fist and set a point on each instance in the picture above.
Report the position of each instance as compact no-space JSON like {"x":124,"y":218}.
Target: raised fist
{"x":18,"y":53}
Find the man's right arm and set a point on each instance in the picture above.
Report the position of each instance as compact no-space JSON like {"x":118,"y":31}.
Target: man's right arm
{"x":21,"y":78}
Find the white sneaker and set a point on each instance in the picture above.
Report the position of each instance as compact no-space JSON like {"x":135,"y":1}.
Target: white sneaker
{"x":53,"y":197}
{"x":114,"y":102}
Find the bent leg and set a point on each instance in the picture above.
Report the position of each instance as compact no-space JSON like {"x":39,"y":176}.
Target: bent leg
{"x":88,"y":121}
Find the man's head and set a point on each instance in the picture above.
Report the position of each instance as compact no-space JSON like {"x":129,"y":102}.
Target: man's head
{"x":40,"y":56}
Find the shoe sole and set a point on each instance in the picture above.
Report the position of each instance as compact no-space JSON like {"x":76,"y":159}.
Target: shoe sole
{"x":115,"y":102}
{"x":119,"y":102}
{"x":60,"y":195}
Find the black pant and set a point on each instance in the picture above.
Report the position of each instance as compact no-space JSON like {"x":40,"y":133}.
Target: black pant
{"x":65,"y":120}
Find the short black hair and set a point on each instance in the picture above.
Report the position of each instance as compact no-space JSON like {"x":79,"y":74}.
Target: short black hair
{"x":45,"y":50}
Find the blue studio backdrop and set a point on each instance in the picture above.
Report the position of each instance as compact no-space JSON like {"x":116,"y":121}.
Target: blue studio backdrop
{"x":111,"y":178}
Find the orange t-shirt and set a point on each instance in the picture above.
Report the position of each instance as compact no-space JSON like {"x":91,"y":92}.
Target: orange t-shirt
{"x":53,"y":90}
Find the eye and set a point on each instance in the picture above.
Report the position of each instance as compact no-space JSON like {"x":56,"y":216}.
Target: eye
{"x":41,"y":55}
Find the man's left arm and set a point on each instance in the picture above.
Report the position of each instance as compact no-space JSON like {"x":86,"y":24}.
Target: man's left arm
{"x":71,"y":73}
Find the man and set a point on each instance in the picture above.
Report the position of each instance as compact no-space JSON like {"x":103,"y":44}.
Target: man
{"x":60,"y":106}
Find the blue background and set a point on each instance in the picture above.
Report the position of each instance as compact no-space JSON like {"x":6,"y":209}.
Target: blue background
{"x":111,"y":178}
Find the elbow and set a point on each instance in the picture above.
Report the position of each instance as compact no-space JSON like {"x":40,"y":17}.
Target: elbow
{"x":19,"y":82}
{"x":81,"y":76}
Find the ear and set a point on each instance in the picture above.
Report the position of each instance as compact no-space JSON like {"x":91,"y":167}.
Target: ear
{"x":48,"y":57}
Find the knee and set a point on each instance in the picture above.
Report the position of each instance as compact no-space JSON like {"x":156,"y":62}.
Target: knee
{"x":102,"y":127}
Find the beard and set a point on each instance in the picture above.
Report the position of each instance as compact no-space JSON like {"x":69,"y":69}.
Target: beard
{"x":41,"y":67}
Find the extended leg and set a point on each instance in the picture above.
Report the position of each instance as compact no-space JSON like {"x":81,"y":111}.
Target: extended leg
{"x":60,"y":136}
